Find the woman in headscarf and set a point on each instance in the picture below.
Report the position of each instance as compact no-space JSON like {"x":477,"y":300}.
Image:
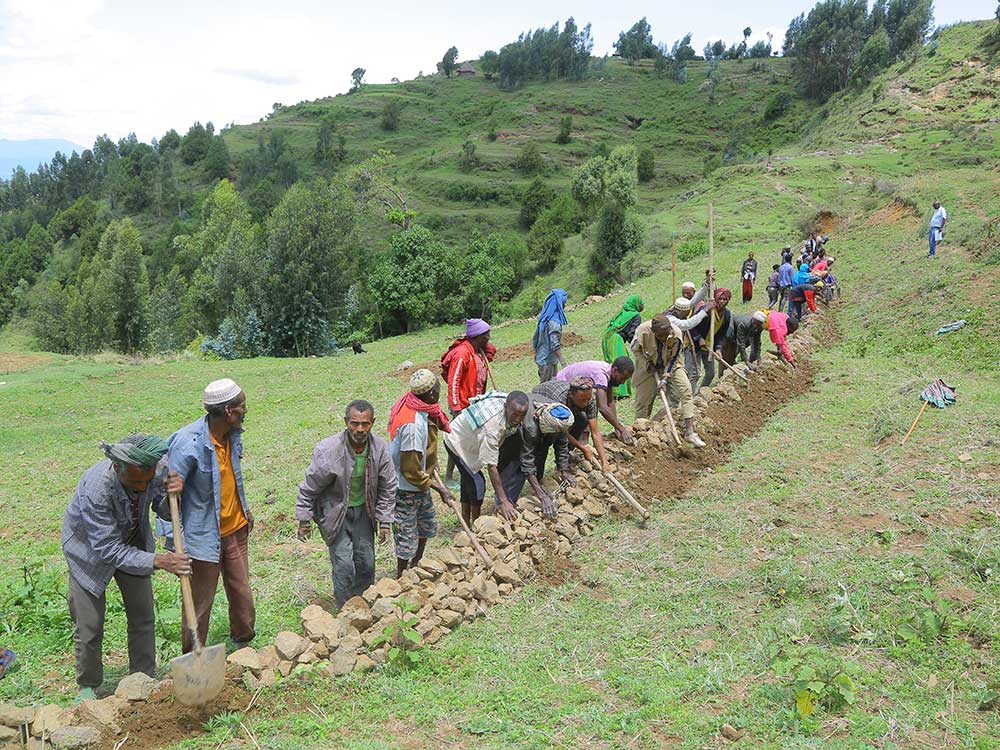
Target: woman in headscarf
{"x":617,"y":339}
{"x":749,"y":274}
{"x":547,"y":341}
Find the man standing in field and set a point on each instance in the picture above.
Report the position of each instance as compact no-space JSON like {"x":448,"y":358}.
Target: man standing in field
{"x":605,"y":377}
{"x":348,"y":490}
{"x":106,"y":534}
{"x":414,"y":422}
{"x":786,"y":278}
{"x":936,"y":230}
{"x":216,"y":518}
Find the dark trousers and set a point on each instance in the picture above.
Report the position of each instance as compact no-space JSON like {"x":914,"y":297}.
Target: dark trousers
{"x":782,"y":297}
{"x":795,"y":309}
{"x":772,"y":297}
{"x":234,"y":565}
{"x":88,"y":611}
{"x":473,"y":484}
{"x":352,"y":555}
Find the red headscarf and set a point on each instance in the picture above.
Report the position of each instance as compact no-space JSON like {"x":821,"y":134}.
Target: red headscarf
{"x":403,"y":411}
{"x":722,"y":295}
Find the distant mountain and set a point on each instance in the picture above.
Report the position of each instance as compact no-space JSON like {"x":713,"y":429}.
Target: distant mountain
{"x":29,"y":154}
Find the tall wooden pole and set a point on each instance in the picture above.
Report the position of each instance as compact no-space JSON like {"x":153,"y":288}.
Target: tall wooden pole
{"x":711,"y":281}
{"x":673,"y":265}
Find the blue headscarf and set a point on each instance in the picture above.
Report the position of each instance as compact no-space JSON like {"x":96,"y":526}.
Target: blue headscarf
{"x":552,"y":309}
{"x":802,"y":275}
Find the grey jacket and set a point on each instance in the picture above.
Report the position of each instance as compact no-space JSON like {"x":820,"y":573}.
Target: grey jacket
{"x":97,"y":521}
{"x":323,"y":492}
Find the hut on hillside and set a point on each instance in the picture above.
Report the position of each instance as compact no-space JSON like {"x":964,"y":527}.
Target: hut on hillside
{"x":466,"y":69}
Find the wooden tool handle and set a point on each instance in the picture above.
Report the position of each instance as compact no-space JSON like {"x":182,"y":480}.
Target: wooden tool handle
{"x":187,"y":598}
{"x":729,"y":367}
{"x":912,"y":426}
{"x":465,"y":527}
{"x":626,"y":495}
{"x":670,"y":416}
{"x":489,"y":371}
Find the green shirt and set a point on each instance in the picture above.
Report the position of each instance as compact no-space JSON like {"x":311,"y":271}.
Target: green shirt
{"x":356,"y":494}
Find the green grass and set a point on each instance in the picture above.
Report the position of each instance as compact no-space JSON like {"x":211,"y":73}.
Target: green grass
{"x":820,"y":538}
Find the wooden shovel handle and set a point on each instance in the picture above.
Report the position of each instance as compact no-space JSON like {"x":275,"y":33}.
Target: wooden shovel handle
{"x":465,"y":527}
{"x":670,"y":416}
{"x":912,"y":426}
{"x":187,"y":598}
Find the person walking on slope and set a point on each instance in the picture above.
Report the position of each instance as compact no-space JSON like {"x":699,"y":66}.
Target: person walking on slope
{"x":106,"y":534}
{"x":547,"y":341}
{"x":657,"y":349}
{"x":414,"y":422}
{"x":618,"y":335}
{"x":772,"y":287}
{"x":348,"y":490}
{"x":935,"y":232}
{"x":216,"y":516}
{"x":749,"y":274}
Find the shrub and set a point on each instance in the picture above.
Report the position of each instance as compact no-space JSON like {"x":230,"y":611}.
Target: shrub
{"x":565,"y":127}
{"x":467,"y":160}
{"x":537,"y":196}
{"x":390,"y":116}
{"x":777,"y":105}
{"x":646,"y":167}
{"x":530,"y":161}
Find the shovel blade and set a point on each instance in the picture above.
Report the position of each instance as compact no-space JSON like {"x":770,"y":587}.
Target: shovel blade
{"x":199,"y":676}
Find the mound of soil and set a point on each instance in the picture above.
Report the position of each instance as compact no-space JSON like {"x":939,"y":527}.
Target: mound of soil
{"x":162,"y":721}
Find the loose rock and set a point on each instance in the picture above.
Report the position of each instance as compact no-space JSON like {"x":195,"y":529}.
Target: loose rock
{"x":74,"y":738}
{"x":136,"y":687}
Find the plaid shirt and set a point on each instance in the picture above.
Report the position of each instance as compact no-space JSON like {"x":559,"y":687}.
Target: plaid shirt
{"x":98,"y":521}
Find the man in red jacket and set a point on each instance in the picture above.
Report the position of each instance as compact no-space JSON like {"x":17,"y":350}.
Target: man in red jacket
{"x":464,"y":365}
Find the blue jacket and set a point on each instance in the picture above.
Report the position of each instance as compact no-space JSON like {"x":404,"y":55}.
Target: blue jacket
{"x":802,"y":276}
{"x":786,"y":273}
{"x":192,"y":455}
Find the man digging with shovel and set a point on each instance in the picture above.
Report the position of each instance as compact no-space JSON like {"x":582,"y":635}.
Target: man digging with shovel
{"x":106,"y":534}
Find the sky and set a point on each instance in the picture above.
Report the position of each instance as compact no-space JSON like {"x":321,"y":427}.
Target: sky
{"x":75,"y":69}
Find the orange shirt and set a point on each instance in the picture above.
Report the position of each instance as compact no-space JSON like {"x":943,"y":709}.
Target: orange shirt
{"x":231,"y":517}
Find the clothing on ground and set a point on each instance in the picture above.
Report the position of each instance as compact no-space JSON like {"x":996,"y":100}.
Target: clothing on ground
{"x":950,"y":327}
{"x":939,"y":393}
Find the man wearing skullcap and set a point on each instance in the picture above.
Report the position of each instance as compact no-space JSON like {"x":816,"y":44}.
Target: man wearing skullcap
{"x":579,"y":394}
{"x":684,"y":315}
{"x":688,"y":289}
{"x":546,"y":425}
{"x":348,"y":490}
{"x":216,"y":517}
{"x":107,"y":534}
{"x":657,"y":349}
{"x":414,"y":422}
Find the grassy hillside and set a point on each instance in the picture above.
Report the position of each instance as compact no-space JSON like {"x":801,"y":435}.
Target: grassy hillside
{"x":685,"y":123}
{"x":821,"y":540}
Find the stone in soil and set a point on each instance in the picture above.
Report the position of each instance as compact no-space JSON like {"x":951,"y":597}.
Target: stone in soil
{"x":48,"y":719}
{"x":385,"y":587}
{"x":102,"y":712}
{"x":15,"y":716}
{"x":289,"y":645}
{"x":342,"y":661}
{"x":137,"y":686}
{"x":318,"y":624}
{"x":74,"y":738}
{"x":247,"y":658}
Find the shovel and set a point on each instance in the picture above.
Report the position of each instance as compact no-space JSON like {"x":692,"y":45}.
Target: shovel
{"x":199,"y":676}
{"x":628,"y":497}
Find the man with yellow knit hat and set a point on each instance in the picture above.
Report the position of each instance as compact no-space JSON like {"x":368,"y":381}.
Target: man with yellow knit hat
{"x":216,"y":518}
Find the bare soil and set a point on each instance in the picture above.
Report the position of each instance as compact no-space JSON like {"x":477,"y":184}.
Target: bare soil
{"x":16,"y":362}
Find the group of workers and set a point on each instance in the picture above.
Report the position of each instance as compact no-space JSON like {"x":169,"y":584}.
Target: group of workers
{"x":361,"y":486}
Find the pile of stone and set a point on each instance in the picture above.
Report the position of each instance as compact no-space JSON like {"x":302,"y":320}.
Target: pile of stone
{"x":80,"y":726}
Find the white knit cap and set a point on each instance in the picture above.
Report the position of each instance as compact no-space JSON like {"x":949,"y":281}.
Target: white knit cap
{"x":688,"y":285}
{"x":682,"y":304}
{"x":760,"y":316}
{"x":221,"y":392}
{"x":422,"y":381}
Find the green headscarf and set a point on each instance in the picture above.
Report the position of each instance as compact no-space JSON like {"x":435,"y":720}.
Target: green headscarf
{"x":629,"y":310}
{"x":136,"y":450}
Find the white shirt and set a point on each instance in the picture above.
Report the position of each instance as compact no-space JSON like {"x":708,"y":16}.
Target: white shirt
{"x":939,"y":217}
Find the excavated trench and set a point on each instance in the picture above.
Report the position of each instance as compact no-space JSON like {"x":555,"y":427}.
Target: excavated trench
{"x":652,"y":469}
